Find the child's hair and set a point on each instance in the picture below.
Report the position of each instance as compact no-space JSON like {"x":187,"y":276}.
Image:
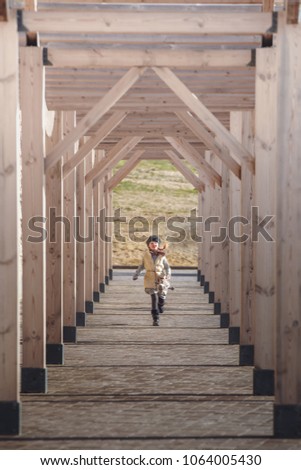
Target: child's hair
{"x":153,"y":238}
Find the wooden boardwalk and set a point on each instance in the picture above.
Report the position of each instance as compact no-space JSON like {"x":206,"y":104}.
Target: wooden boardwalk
{"x":129,"y":385}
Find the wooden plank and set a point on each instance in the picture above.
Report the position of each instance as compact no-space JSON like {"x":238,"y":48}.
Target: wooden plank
{"x":101,"y":226}
{"x":10,"y":228}
{"x":225,"y":216}
{"x":96,"y":242}
{"x":288,"y":247}
{"x":69,"y":247}
{"x":203,"y":113}
{"x":104,"y":104}
{"x":93,"y":141}
{"x":89,"y":245}
{"x":148,"y":57}
{"x":147,"y":22}
{"x":189,"y":152}
{"x":200,"y":131}
{"x":53,"y":177}
{"x":4,"y":10}
{"x":265,"y":200}
{"x":117,"y":153}
{"x":33,"y":205}
{"x":234,"y":246}
{"x":186,"y":172}
{"x":80,"y":236}
{"x":124,"y":170}
{"x":293,"y":8}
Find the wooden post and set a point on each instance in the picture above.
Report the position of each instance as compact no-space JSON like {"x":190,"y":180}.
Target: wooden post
{"x":96,"y":242}
{"x":34,"y":377}
{"x":80,"y":232}
{"x":216,"y":227}
{"x":244,"y":129}
{"x":102,"y":230}
{"x":287,"y":408}
{"x":68,"y":245}
{"x":234,"y":245}
{"x":206,"y":199}
{"x":225,"y":211}
{"x":54,"y":314}
{"x":109,"y":228}
{"x":89,"y":235}
{"x":10,"y":261}
{"x":265,"y":201}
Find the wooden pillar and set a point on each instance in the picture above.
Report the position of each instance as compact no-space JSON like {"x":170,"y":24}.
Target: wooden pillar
{"x":108,"y":198}
{"x":96,"y":242}
{"x":34,"y":377}
{"x":69,"y":245}
{"x":102,"y":231}
{"x":225,"y":210}
{"x":245,"y":134}
{"x":234,"y":244}
{"x":287,"y":407}
{"x":216,"y":232}
{"x":89,"y":237}
{"x":206,"y":198}
{"x":265,"y":201}
{"x":10,"y":262}
{"x":200,"y":234}
{"x":80,"y":231}
{"x":54,"y":314}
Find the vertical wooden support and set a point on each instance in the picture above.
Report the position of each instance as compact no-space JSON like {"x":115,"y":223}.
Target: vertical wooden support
{"x":89,"y":237}
{"x":69,"y":245}
{"x":34,"y":377}
{"x":108,"y":198}
{"x":80,"y":232}
{"x":265,"y":201}
{"x":102,"y":230}
{"x":217,"y":266}
{"x":10,"y":262}
{"x":206,"y":195}
{"x":200,"y":234}
{"x":234,"y":229}
{"x":96,"y":242}
{"x":287,"y":408}
{"x":245,"y":134}
{"x":54,"y":314}
{"x":225,"y":210}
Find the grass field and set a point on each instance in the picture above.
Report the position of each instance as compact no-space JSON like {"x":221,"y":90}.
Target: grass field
{"x":154,"y":198}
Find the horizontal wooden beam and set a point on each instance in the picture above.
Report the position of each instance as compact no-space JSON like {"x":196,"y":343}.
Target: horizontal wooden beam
{"x":147,"y":22}
{"x":169,"y":57}
{"x":105,"y":103}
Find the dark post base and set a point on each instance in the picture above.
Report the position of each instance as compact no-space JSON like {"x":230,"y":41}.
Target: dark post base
{"x":206,"y":287}
{"x":69,"y":334}
{"x":111,"y":274}
{"x":96,"y":296}
{"x":211,"y":297}
{"x":287,"y":421}
{"x":202,"y":280}
{"x":33,"y":380}
{"x":89,"y":306}
{"x":80,"y":318}
{"x":263,"y":382}
{"x":225,"y":320}
{"x":107,"y":280}
{"x":246,"y":355}
{"x":54,"y":354}
{"x":102,"y":287}
{"x":198,"y":275}
{"x":217,"y":308}
{"x":234,"y":334}
{"x":10,"y":418}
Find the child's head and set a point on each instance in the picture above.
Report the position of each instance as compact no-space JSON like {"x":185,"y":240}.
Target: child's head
{"x":153,"y":242}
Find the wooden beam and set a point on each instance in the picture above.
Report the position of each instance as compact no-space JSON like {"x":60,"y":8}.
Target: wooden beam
{"x":203,"y":113}
{"x":104,"y":104}
{"x":33,"y":206}
{"x":169,"y":57}
{"x":201,"y":132}
{"x":4,"y":10}
{"x":10,"y":231}
{"x":194,"y":157}
{"x":93,"y":141}
{"x":124,"y":170}
{"x":118,"y":152}
{"x":147,"y":22}
{"x":293,"y":8}
{"x":186,"y":172}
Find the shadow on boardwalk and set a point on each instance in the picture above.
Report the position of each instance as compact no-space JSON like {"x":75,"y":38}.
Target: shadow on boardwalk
{"x":129,"y":385}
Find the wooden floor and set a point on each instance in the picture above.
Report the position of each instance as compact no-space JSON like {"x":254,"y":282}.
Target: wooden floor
{"x":129,"y":385}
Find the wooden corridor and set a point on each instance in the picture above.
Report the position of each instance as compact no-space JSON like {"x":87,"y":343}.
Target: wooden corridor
{"x":129,"y":385}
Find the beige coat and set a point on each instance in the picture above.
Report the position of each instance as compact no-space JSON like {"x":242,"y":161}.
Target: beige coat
{"x":153,"y":270}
